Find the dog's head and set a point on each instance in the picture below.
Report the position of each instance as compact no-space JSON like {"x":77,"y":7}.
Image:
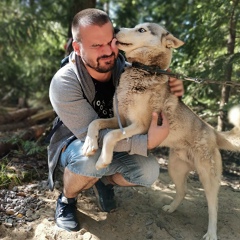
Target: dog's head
{"x":147,"y":43}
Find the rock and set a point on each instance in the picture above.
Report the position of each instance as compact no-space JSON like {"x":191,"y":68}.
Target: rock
{"x":35,"y":216}
{"x":15,"y":189}
{"x":149,"y":222}
{"x":29,"y":213}
{"x":20,"y":204}
{"x":87,"y":236}
{"x":50,"y":219}
{"x":10,"y":211}
{"x":149,"y":235}
{"x":8,"y":225}
{"x":19,"y":215}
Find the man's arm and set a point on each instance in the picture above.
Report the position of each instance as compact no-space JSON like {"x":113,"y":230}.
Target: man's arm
{"x":156,"y":133}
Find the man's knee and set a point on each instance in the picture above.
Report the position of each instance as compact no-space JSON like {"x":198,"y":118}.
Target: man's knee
{"x":74,"y":160}
{"x":143,"y":171}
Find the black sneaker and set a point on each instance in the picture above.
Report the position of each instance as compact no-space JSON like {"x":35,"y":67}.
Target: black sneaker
{"x":105,"y":196}
{"x":66,"y":214}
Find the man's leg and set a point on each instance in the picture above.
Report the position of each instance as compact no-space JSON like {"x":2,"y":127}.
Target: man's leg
{"x":66,"y":212}
{"x":80,"y":174}
{"x":71,"y":190}
{"x":132,"y":170}
{"x":125,"y":170}
{"x":118,"y":179}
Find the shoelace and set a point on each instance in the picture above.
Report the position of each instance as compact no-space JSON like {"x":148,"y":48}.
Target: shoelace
{"x":64,"y":206}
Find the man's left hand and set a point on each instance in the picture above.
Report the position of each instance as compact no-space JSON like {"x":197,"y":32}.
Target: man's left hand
{"x":176,"y":86}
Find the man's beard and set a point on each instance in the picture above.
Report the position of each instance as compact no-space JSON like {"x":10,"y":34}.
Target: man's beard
{"x":108,"y":66}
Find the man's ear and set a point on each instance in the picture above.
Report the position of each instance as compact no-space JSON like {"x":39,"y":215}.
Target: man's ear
{"x":76,"y":47}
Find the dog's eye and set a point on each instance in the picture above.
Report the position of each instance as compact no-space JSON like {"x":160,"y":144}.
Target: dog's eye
{"x":141,"y":30}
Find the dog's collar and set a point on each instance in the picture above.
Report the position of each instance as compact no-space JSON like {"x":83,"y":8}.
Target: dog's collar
{"x":154,"y":70}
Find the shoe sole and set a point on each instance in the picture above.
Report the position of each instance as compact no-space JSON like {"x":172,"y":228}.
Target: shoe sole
{"x":76,"y":229}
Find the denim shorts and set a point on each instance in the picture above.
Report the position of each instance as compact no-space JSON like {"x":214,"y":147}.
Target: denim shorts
{"x":136,"y":169}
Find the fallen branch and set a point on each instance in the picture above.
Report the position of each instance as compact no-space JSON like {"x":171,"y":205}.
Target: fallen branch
{"x":49,"y":114}
{"x":30,"y":121}
{"x":14,"y":126}
{"x":18,"y":115}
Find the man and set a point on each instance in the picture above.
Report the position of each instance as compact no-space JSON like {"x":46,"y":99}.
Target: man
{"x":80,"y":92}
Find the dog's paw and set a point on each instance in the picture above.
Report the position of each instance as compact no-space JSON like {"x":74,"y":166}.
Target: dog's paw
{"x":89,"y":147}
{"x":102,"y":163}
{"x":100,"y":166}
{"x":210,"y":236}
{"x":168,"y":208}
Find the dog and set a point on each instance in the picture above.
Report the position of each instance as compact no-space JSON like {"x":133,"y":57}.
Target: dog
{"x":193,"y":143}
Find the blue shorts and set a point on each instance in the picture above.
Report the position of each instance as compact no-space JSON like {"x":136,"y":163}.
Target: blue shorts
{"x":135,"y":169}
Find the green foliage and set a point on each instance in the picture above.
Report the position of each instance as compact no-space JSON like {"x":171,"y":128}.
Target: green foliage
{"x":7,"y":176}
{"x":13,"y":173}
{"x":205,"y":28}
{"x":32,"y":38}
{"x":33,"y":33}
{"x":31,"y":43}
{"x":26,"y":147}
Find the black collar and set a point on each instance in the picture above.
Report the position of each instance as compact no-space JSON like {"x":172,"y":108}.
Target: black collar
{"x":154,"y":70}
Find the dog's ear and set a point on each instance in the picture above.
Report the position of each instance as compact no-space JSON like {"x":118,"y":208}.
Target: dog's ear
{"x":173,"y":42}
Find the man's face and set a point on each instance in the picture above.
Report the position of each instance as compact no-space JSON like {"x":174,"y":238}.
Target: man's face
{"x":96,"y":48}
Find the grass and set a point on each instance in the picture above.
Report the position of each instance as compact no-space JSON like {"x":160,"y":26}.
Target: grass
{"x":7,"y":175}
{"x":21,"y":165}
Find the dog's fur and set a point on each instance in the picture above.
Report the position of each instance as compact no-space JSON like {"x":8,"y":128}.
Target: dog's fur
{"x":193,"y":143}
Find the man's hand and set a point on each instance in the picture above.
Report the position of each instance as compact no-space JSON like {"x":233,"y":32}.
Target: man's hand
{"x":156,"y":133}
{"x":176,"y":86}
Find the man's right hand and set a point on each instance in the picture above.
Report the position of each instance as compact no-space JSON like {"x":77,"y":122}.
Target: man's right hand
{"x":156,"y":133}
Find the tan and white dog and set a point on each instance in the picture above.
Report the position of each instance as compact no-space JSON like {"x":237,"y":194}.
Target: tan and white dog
{"x":193,"y":143}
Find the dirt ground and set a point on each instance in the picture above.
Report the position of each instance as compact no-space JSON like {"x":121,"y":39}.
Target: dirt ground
{"x":139,"y":215}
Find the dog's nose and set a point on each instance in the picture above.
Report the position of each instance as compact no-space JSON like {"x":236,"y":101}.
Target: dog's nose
{"x":116,"y":30}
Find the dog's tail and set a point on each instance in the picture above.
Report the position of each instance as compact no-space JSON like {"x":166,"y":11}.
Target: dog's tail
{"x":230,"y":140}
{"x":234,"y":116}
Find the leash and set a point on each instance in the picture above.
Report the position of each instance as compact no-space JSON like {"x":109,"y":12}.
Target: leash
{"x":118,"y":116}
{"x":157,"y":71}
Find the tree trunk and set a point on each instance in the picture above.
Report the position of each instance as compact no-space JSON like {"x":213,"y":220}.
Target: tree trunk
{"x":78,"y":5}
{"x":225,"y":92}
{"x":74,"y":8}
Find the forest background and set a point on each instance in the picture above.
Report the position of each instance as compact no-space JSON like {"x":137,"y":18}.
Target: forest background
{"x":34,"y":35}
